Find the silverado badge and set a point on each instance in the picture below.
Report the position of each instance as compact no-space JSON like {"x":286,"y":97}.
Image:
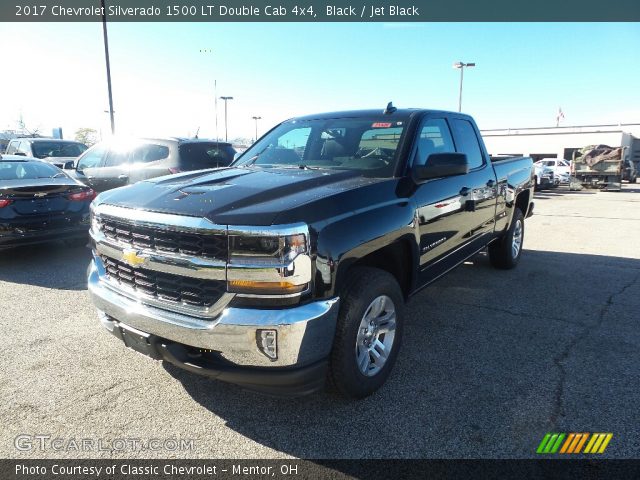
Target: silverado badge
{"x":131,"y":257}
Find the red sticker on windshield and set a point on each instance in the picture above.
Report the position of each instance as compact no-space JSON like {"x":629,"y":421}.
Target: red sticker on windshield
{"x":381,"y":125}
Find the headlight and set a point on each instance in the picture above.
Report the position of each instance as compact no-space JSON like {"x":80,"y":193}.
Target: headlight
{"x":269,"y":262}
{"x":95,"y":220}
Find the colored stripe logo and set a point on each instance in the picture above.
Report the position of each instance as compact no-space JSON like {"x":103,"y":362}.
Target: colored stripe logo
{"x":574,"y":443}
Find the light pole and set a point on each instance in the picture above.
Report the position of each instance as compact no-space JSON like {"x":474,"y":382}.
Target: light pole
{"x":106,"y":57}
{"x":256,"y":119}
{"x":225,"y":116}
{"x":461,"y":66}
{"x":215,"y":92}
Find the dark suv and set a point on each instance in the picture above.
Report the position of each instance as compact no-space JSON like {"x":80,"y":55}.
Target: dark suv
{"x":117,"y":163}
{"x":53,"y":150}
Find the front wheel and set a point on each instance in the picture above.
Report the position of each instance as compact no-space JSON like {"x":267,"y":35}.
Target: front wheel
{"x":368,"y":333}
{"x":505,"y":252}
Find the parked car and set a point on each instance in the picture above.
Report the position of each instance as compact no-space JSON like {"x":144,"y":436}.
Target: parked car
{"x":544,"y":177}
{"x":59,"y":152}
{"x":40,"y":203}
{"x":561,"y":168}
{"x":292,"y":266}
{"x":124,"y":161}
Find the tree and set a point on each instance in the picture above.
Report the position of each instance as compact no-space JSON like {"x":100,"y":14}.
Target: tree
{"x":88,"y":136}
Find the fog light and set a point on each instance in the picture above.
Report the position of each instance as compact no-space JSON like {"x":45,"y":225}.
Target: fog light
{"x":267,"y":341}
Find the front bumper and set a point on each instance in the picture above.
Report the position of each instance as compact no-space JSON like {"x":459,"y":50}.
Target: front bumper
{"x":226,"y":347}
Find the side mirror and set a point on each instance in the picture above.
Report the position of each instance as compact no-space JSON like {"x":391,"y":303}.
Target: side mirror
{"x":441,"y":165}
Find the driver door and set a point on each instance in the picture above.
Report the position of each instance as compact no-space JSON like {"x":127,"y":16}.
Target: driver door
{"x":89,"y":164}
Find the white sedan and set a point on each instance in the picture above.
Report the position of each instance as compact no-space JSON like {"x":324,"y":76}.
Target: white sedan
{"x":561,"y":168}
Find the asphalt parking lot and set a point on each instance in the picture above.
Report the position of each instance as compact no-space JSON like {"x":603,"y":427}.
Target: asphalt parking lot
{"x":491,"y":360}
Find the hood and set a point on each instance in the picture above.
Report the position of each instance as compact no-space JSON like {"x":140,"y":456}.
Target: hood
{"x":235,"y":196}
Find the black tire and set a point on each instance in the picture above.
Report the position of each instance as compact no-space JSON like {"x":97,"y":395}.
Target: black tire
{"x":501,"y":251}
{"x":536,"y":187}
{"x":364,"y":286}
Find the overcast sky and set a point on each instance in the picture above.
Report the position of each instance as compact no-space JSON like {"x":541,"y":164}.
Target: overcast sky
{"x":54,"y":74}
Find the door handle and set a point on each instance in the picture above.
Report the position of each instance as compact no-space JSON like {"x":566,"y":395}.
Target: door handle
{"x":123,"y":177}
{"x":464,"y":191}
{"x":491,"y":184}
{"x":90,"y":177}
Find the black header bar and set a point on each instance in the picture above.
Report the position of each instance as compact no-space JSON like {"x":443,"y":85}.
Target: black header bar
{"x":321,"y":11}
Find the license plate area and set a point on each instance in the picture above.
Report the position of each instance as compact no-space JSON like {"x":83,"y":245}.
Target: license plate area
{"x":139,"y":341}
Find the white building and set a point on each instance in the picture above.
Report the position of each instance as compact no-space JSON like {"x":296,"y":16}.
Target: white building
{"x":561,"y":142}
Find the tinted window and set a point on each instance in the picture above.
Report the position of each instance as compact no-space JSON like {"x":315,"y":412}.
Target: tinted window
{"x":434,"y":138}
{"x":198,"y":156}
{"x":467,"y":142}
{"x":92,"y":158}
{"x":149,"y":152}
{"x":27,"y":170}
{"x":57,"y":149}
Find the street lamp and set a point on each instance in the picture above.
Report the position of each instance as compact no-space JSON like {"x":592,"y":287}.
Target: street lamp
{"x":461,"y":66}
{"x":225,"y":115}
{"x":106,"y":57}
{"x":256,"y":119}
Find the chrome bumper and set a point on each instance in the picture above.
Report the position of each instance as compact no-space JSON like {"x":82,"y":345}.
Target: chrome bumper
{"x":304,"y":333}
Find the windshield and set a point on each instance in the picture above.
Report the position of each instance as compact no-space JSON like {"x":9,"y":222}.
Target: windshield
{"x":368,"y":145}
{"x":57,"y":149}
{"x":28,"y":171}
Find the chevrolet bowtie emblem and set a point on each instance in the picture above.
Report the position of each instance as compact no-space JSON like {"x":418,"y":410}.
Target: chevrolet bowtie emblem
{"x":131,"y":257}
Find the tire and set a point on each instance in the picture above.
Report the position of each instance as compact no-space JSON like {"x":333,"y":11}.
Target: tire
{"x":356,"y":367}
{"x":505,"y":252}
{"x":536,"y":187}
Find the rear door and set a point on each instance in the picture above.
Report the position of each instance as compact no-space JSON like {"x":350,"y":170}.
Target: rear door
{"x":480,"y":187}
{"x":149,"y":160}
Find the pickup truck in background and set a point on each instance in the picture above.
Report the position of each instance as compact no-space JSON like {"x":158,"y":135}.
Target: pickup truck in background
{"x":289,"y":269}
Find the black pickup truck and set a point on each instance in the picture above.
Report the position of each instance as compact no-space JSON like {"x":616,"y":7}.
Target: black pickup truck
{"x":289,"y":269}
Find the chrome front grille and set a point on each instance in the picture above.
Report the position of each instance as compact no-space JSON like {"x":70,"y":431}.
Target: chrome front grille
{"x":188,"y":291}
{"x":212,"y":245}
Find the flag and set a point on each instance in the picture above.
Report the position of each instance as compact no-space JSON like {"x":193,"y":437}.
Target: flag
{"x":559,"y":116}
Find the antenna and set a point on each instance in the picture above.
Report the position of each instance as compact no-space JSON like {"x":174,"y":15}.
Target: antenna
{"x":197,"y":132}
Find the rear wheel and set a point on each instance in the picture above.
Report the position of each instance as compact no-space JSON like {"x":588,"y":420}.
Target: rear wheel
{"x":505,"y":252}
{"x":368,"y":333}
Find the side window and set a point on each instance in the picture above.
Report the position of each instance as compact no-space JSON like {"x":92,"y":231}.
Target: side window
{"x":434,"y":137}
{"x":467,"y":142}
{"x":117,"y":157}
{"x":149,"y":153}
{"x":92,"y":158}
